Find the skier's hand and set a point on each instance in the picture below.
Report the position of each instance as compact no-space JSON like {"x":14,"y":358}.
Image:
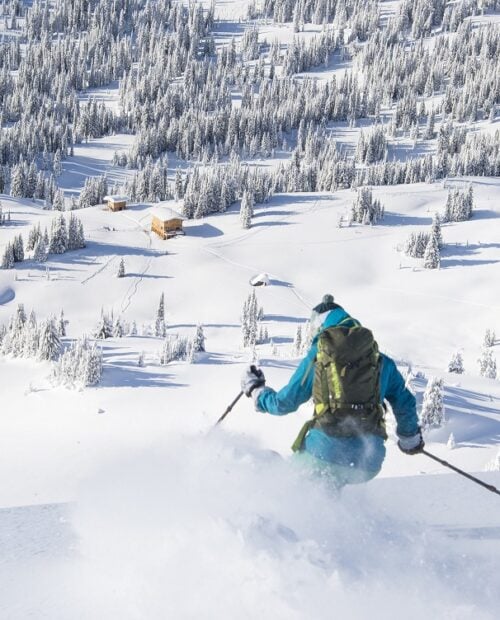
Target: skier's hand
{"x":252,"y":378}
{"x":411,"y":445}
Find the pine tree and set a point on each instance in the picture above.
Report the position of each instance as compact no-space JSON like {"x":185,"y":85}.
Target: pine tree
{"x":432,"y":258}
{"x":50,"y":345}
{"x":489,"y":338}
{"x":451,"y":444}
{"x":456,"y":364}
{"x":121,"y":269}
{"x":18,"y":249}
{"x":246,"y":209}
{"x":117,"y":328}
{"x":104,"y":328}
{"x":199,"y":340}
{"x":160,"y":325}
{"x":436,"y":230}
{"x":59,"y":236}
{"x":8,"y":257}
{"x":40,"y":253}
{"x":58,"y":203}
{"x":62,"y":325}
{"x":432,"y":413}
{"x":487,"y":364}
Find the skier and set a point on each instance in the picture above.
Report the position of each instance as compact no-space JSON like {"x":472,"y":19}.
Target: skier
{"x":345,"y":439}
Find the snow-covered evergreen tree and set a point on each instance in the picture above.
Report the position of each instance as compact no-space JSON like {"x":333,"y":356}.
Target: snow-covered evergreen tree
{"x":160,"y":324}
{"x":121,"y":269}
{"x":246,"y":209}
{"x":487,"y":364}
{"x":489,"y":338}
{"x":59,"y":236}
{"x":104,"y":328}
{"x":8,"y":257}
{"x":432,"y":412}
{"x":61,"y":325}
{"x":50,"y":345}
{"x":432,"y":258}
{"x":199,"y":340}
{"x":456,"y":364}
{"x":117,"y":328}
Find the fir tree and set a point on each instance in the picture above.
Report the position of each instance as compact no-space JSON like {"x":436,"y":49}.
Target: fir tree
{"x":160,"y":325}
{"x":50,"y":345}
{"x":432,"y":413}
{"x":199,"y":340}
{"x":61,"y":325}
{"x":456,"y":364}
{"x":104,"y":328}
{"x":121,"y":269}
{"x":432,"y":258}
{"x":489,"y":338}
{"x":487,"y":364}
{"x":8,"y":257}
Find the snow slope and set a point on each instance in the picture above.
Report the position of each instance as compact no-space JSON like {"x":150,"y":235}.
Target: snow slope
{"x":169,"y":518}
{"x":122,"y":501}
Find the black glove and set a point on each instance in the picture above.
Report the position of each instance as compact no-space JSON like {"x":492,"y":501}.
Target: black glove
{"x":411,"y":445}
{"x":253,"y":377}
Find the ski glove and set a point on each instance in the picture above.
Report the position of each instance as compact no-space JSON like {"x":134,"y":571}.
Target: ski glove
{"x":252,"y":378}
{"x":411,"y":445}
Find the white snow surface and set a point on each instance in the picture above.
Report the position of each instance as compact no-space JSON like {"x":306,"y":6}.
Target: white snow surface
{"x":123,"y":502}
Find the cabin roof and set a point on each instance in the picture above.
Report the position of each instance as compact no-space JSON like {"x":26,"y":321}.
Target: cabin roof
{"x":165,"y":214}
{"x":116,"y":198}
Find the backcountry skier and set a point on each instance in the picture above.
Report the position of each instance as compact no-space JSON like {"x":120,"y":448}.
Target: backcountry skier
{"x":349,"y":380}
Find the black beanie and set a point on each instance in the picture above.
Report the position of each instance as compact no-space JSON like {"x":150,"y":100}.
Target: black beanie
{"x":326,"y":304}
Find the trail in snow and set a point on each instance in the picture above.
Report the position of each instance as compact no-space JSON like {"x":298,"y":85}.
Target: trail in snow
{"x":129,"y":295}
{"x":100,"y":270}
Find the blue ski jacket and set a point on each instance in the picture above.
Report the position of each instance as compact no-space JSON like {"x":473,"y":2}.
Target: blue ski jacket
{"x":364,"y":453}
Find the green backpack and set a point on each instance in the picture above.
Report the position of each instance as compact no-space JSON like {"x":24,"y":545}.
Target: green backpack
{"x":346,"y":388}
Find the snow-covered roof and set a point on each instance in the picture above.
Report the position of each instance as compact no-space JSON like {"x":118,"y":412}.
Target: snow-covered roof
{"x":116,"y":198}
{"x":262,"y":279}
{"x":166,"y":213}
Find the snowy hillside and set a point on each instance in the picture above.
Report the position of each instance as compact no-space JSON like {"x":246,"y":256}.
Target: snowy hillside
{"x":319,"y":144}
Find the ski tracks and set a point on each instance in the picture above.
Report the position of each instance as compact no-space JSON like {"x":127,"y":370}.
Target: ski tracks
{"x":212,"y":249}
{"x":100,"y":270}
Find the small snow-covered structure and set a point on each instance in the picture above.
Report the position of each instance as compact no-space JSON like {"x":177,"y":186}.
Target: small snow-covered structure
{"x":261,"y":279}
{"x":166,"y":222}
{"x":116,"y":202}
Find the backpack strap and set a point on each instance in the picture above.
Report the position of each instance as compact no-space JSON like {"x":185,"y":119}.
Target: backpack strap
{"x":298,"y":444}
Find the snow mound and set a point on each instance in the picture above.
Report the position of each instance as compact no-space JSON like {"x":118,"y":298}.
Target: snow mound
{"x":7,"y":294}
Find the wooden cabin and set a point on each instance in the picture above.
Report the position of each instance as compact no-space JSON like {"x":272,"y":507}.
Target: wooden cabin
{"x":166,"y":222}
{"x":116,"y":202}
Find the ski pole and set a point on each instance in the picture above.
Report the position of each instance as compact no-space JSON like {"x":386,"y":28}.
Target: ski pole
{"x":229,"y":408}
{"x":490,"y":487}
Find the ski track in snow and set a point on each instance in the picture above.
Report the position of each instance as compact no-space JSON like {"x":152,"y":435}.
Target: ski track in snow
{"x":100,"y":270}
{"x":129,"y":295}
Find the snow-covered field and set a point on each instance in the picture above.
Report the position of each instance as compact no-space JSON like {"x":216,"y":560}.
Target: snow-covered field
{"x":157,"y":500}
{"x":123,"y":501}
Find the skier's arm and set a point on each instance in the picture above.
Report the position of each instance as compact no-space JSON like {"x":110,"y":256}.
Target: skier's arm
{"x":402,"y":401}
{"x":297,"y":391}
